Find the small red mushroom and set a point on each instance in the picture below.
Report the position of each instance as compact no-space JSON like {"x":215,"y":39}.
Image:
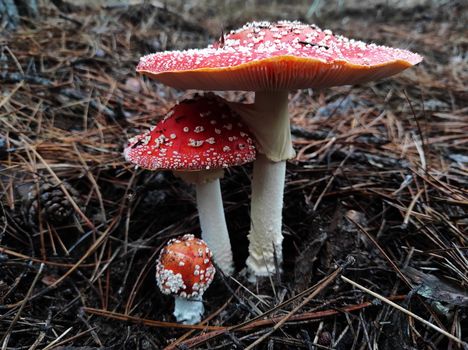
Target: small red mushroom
{"x":197,"y":139}
{"x":184,"y":269}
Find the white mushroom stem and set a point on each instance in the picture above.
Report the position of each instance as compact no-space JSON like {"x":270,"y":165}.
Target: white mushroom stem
{"x":213,"y":224}
{"x":268,"y":120}
{"x":188,"y":311}
{"x":265,"y":236}
{"x":211,"y":214}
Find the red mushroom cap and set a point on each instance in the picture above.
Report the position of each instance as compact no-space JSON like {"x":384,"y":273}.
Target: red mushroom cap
{"x":198,"y":134}
{"x":184,"y":267}
{"x":275,"y":56}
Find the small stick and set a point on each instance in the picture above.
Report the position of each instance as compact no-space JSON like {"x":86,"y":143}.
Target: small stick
{"x":7,"y":251}
{"x":411,"y":206}
{"x":146,"y":322}
{"x":332,"y":178}
{"x":409,"y":313}
{"x":52,"y":344}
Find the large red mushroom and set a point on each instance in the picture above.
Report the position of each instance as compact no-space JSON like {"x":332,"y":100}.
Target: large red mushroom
{"x":197,"y":139}
{"x":271,"y":59}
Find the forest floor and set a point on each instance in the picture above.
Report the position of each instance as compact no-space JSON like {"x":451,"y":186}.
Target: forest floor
{"x":377,"y":195}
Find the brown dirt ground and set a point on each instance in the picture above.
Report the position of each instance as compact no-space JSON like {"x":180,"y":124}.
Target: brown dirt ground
{"x":391,"y":156}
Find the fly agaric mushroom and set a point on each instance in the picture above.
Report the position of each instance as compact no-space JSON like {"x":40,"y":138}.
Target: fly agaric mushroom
{"x":197,"y":139}
{"x":271,"y":59}
{"x":184,"y":268}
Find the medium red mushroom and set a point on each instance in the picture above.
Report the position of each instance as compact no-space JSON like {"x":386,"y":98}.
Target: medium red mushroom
{"x":271,"y":59}
{"x":197,"y":139}
{"x":184,"y":269}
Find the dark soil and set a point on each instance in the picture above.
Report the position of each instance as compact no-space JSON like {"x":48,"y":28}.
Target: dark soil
{"x":378,"y":192}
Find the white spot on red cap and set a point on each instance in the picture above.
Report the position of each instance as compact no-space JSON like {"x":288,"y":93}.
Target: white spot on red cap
{"x":195,"y":143}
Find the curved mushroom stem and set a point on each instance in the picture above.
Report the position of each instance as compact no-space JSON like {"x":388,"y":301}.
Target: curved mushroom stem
{"x":188,"y":311}
{"x":213,"y":224}
{"x":211,"y":214}
{"x":268,"y":120}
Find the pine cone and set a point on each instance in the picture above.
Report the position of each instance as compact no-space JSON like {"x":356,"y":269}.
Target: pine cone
{"x":49,"y":202}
